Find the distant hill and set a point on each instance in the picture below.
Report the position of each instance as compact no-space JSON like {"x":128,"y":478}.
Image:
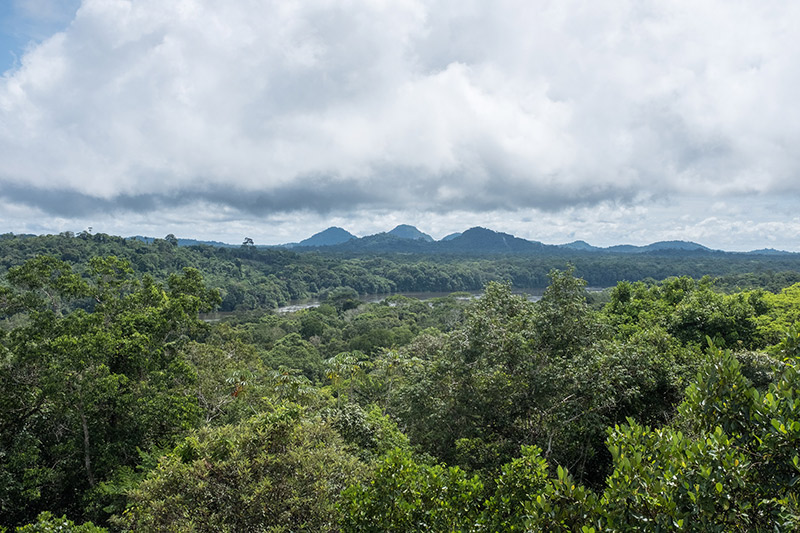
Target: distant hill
{"x":661,"y":246}
{"x":386,"y":243}
{"x":678,"y":245}
{"x":580,"y":246}
{"x":482,"y":240}
{"x":406,"y":238}
{"x":329,"y":237}
{"x":769,"y":251}
{"x":187,"y":242}
{"x":404,"y":231}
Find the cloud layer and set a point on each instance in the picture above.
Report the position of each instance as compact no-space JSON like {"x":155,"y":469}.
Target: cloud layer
{"x":270,"y":108}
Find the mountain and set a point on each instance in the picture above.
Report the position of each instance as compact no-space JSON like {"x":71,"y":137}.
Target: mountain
{"x":329,"y":237}
{"x":408,"y":239}
{"x":404,"y":231}
{"x":386,"y":243}
{"x":187,"y":242}
{"x":678,"y":245}
{"x":661,"y":246}
{"x":482,"y":240}
{"x":194,"y":242}
{"x":580,"y":246}
{"x":769,"y":251}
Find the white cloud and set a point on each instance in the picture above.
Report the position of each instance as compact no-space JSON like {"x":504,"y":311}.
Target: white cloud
{"x":444,"y":108}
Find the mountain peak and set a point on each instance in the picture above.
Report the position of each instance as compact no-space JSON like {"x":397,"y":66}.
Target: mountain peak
{"x":677,"y":245}
{"x":484,"y":240}
{"x":579,"y":245}
{"x":451,"y":236}
{"x":329,"y":237}
{"x":405,"y":231}
{"x":660,"y":247}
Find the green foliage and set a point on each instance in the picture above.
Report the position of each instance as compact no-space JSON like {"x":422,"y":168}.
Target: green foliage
{"x":230,"y":379}
{"x":788,"y":349}
{"x":282,"y":470}
{"x":664,"y":480}
{"x":45,"y":283}
{"x":82,"y":391}
{"x":458,"y":383}
{"x":403,"y":495}
{"x":47,"y":523}
{"x":729,"y":464}
{"x":689,"y":310}
{"x":563,"y":505}
{"x":564,"y":325}
{"x":519,"y":480}
{"x":289,"y":384}
{"x":768,"y":280}
{"x":783,"y":312}
{"x":104,"y":370}
{"x":250,"y":277}
{"x":343,"y":370}
{"x":292,"y":351}
{"x":521,"y":373}
{"x":371,"y":432}
{"x":647,"y":373}
{"x":342,"y":298}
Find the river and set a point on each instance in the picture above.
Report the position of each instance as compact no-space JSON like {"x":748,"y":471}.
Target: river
{"x":297,"y":305}
{"x":533,"y":295}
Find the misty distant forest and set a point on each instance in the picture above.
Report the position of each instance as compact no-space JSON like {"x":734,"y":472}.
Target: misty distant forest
{"x":148,"y":386}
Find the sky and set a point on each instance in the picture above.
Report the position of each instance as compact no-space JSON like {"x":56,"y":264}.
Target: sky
{"x":610,"y":121}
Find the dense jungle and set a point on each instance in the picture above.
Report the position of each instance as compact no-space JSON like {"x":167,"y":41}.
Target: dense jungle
{"x":667,"y":401}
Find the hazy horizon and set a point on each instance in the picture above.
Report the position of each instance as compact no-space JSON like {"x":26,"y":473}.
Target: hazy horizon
{"x":239,"y":242}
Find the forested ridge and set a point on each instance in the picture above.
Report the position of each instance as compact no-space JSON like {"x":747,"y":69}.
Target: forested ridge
{"x":250,"y":277}
{"x":659,"y":406}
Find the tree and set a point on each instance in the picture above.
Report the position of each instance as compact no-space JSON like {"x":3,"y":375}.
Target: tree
{"x":82,"y":391}
{"x":292,"y":351}
{"x":516,"y":373}
{"x":402,"y":495}
{"x":345,"y":368}
{"x":46,"y":522}
{"x":728,"y":462}
{"x":565,"y":327}
{"x":282,"y":470}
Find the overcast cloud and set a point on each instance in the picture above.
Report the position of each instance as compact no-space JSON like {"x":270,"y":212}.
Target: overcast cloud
{"x":608,"y":121}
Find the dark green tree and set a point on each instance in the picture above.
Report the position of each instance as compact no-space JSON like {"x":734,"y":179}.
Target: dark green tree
{"x":83,"y":391}
{"x":282,"y":470}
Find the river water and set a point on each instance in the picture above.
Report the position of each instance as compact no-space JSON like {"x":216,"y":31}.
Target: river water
{"x":533,"y":295}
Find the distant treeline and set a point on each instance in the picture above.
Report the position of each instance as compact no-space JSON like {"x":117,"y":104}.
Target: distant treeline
{"x":265,"y":278}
